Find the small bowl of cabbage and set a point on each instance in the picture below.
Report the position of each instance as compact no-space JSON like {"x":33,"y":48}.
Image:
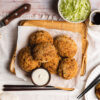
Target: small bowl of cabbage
{"x":74,"y":11}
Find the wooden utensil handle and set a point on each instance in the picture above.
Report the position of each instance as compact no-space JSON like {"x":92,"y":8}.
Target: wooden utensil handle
{"x":17,"y":13}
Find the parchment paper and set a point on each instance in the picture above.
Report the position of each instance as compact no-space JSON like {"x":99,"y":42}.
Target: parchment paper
{"x":22,"y":41}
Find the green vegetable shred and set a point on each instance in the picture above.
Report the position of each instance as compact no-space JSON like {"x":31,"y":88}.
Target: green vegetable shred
{"x":75,"y":10}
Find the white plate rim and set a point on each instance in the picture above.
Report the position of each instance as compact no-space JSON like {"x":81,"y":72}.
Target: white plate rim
{"x":94,"y":73}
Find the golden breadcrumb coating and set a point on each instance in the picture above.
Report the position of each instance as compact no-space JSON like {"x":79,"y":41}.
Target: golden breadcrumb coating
{"x":52,"y":65}
{"x":97,"y":90}
{"x":26,"y":61}
{"x":44,"y":52}
{"x":40,"y":37}
{"x":68,"y":68}
{"x":65,"y":45}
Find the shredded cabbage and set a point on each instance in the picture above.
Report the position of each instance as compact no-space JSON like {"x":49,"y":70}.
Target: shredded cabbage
{"x":75,"y":10}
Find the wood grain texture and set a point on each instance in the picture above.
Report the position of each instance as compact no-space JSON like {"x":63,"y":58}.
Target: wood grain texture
{"x":9,"y":5}
{"x":48,"y":7}
{"x":37,"y":6}
{"x":17,"y":13}
{"x":62,"y":25}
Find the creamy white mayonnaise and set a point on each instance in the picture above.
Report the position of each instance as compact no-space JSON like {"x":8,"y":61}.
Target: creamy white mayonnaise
{"x":40,"y":76}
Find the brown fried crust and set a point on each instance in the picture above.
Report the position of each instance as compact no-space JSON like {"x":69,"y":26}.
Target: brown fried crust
{"x":40,"y":37}
{"x":44,"y":52}
{"x":52,"y":65}
{"x":97,"y":91}
{"x":26,"y":61}
{"x":65,"y":45}
{"x":68,"y":68}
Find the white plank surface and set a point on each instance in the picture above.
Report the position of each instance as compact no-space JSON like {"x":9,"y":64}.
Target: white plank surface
{"x":39,"y":7}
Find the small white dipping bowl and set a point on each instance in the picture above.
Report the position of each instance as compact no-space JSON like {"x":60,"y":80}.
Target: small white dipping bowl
{"x":93,"y":26}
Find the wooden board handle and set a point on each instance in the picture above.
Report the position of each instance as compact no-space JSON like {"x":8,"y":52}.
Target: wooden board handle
{"x":17,"y":13}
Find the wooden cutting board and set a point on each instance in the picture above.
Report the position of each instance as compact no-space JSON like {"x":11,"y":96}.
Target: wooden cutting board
{"x":62,"y":25}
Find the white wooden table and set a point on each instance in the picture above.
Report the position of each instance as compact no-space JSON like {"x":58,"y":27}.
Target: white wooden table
{"x":40,"y":7}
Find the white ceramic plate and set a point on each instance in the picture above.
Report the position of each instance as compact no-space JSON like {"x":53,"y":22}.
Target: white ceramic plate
{"x":90,"y":95}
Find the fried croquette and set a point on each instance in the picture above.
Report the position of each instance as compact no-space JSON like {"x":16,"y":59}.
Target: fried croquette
{"x":68,"y":68}
{"x":40,"y":37}
{"x":65,"y":45}
{"x":97,"y":90}
{"x":52,"y":65}
{"x":26,"y":61}
{"x":44,"y":52}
